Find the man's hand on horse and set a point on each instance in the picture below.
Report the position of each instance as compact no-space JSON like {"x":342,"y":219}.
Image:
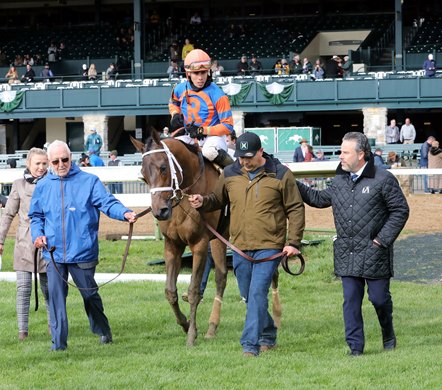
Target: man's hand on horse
{"x":196,"y":200}
{"x":131,"y":216}
{"x":291,"y":251}
{"x":176,"y":122}
{"x":195,"y":131}
{"x":40,"y":242}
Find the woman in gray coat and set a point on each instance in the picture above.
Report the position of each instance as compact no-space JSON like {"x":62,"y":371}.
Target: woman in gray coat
{"x":18,"y":203}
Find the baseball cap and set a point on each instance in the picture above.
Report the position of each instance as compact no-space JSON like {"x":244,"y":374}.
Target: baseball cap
{"x":247,"y":145}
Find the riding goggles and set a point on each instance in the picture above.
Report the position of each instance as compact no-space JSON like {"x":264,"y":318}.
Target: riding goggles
{"x":198,"y":66}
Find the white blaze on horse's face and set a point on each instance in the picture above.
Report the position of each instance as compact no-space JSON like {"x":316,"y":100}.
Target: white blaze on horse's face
{"x":160,"y":171}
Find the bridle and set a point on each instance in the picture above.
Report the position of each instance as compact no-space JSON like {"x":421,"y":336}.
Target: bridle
{"x":174,"y":166}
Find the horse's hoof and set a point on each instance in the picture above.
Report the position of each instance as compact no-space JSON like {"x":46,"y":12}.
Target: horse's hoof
{"x":211,"y":332}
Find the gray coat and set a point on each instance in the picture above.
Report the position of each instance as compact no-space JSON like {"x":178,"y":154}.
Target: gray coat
{"x":18,"y":203}
{"x":372,"y":207}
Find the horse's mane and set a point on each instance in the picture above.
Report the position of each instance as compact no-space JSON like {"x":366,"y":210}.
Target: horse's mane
{"x":192,"y":148}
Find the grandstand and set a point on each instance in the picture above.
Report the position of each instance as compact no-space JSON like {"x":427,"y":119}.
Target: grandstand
{"x":273,"y":29}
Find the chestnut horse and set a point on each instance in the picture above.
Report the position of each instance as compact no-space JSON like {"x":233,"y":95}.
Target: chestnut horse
{"x":173,"y":170}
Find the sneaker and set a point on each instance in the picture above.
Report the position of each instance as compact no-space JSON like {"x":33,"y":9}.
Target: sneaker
{"x":249,"y":354}
{"x":265,"y":348}
{"x":22,"y":335}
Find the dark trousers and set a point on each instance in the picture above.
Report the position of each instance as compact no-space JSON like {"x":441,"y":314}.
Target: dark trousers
{"x":379,"y":295}
{"x":58,"y":291}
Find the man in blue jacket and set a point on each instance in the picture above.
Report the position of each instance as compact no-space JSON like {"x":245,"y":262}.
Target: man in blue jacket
{"x":67,"y":218}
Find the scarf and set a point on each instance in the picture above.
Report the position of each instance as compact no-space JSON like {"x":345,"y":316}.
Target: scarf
{"x":31,"y":179}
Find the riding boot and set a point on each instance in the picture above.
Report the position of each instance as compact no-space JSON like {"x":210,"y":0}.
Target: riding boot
{"x":386,"y":321}
{"x":223,"y":159}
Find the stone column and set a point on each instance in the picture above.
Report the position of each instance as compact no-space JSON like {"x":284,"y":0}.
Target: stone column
{"x":238,"y":122}
{"x":2,"y":139}
{"x":99,"y":123}
{"x":375,"y":122}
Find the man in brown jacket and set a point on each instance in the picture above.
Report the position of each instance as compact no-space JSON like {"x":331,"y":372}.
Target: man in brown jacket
{"x":262,"y":194}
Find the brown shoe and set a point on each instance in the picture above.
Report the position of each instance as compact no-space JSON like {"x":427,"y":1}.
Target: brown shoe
{"x":22,"y":335}
{"x":265,"y":348}
{"x":249,"y":354}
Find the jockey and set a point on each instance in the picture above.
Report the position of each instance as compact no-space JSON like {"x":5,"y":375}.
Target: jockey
{"x":202,"y":108}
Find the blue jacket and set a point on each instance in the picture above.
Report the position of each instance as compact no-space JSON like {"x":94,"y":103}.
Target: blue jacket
{"x":67,"y":211}
{"x":96,"y":161}
{"x":425,"y":148}
{"x":93,"y":142}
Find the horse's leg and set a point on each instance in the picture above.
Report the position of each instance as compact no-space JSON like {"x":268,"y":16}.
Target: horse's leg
{"x":172,"y":256}
{"x":199,"y":252}
{"x":276,"y":304}
{"x":219,"y":258}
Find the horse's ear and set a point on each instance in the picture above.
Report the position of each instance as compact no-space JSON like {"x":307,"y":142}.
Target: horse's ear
{"x":138,"y":144}
{"x":156,"y":136}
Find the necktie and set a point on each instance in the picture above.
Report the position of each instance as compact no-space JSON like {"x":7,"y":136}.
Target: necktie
{"x":354,"y":176}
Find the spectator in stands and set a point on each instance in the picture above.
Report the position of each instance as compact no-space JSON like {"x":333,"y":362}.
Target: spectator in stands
{"x":285,"y":68}
{"x":18,"y":61}
{"x":29,"y":76}
{"x":187,"y":48}
{"x":242,"y":67}
{"x":92,"y":73}
{"x":173,"y":70}
{"x":202,"y":108}
{"x":62,"y":51}
{"x":318,"y":71}
{"x":115,"y":187}
{"x":84,"y":160}
{"x":18,"y":204}
{"x":255,"y":66}
{"x":394,"y":161}
{"x":370,"y":211}
{"x":320,"y":156}
{"x":95,"y":161}
{"x":12,"y":75}
{"x":392,"y":133}
{"x":12,"y":162}
{"x":430,"y":66}
{"x":111,"y":72}
{"x":195,"y":19}
{"x":46,"y":73}
{"x":301,"y":151}
{"x":52,"y":52}
{"x":165,"y":133}
{"x":309,"y":155}
{"x":241,"y":31}
{"x":27,"y":59}
{"x":407,"y":134}
{"x":174,"y":51}
{"x":378,"y":160}
{"x":423,"y":163}
{"x":332,"y":67}
{"x":435,"y":161}
{"x":347,"y":67}
{"x":3,"y":59}
{"x":307,"y":66}
{"x":217,"y":69}
{"x":296,"y":65}
{"x":84,"y":72}
{"x":278,"y":66}
{"x":94,"y":142}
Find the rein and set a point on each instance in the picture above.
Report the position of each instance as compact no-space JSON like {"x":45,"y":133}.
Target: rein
{"x":284,"y":260}
{"x":123,"y":262}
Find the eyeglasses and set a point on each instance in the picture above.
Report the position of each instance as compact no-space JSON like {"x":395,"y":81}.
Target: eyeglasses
{"x":197,"y":66}
{"x":63,"y":160}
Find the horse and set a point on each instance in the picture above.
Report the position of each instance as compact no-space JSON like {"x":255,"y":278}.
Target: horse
{"x":174,"y":170}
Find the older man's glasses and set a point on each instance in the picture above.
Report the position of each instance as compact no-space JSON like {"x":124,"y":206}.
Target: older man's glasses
{"x":63,"y":160}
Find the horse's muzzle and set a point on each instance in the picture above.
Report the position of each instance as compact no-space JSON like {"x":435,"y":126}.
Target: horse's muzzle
{"x":163,"y":214}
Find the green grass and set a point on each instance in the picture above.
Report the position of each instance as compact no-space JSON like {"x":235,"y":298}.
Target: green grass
{"x":149,"y":348}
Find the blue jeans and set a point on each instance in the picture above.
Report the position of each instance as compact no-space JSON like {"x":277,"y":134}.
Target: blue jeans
{"x":425,"y":179}
{"x":254,"y":282}
{"x":207,"y":268}
{"x":58,"y":291}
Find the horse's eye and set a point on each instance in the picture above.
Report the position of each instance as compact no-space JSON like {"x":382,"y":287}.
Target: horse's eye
{"x":163,"y":169}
